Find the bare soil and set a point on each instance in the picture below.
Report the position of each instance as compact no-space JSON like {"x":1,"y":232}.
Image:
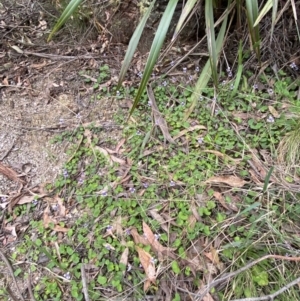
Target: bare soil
{"x":42,"y":94}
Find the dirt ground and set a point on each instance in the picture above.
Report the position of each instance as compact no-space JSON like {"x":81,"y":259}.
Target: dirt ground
{"x":42,"y":94}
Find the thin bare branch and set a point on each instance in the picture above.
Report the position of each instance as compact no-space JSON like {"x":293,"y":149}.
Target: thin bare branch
{"x":272,"y":296}
{"x":11,"y":271}
{"x":84,"y":283}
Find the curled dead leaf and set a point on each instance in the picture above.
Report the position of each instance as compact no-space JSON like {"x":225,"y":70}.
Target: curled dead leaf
{"x":213,"y":256}
{"x":47,"y":219}
{"x":221,"y":155}
{"x":153,"y":241}
{"x":274,"y":112}
{"x":25,"y":199}
{"x":59,"y":228}
{"x":221,"y":199}
{"x":232,"y":181}
{"x":124,"y":257}
{"x":191,"y":129}
{"x":148,"y":266}
{"x":10,"y":173}
{"x":154,"y":213}
{"x":138,"y":239}
{"x":61,"y":206}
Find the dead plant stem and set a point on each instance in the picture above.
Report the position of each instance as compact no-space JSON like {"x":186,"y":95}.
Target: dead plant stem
{"x":271,"y":296}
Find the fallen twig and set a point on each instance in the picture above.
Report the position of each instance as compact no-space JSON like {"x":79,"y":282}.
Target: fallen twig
{"x":84,"y":283}
{"x":29,"y":287}
{"x":58,"y":57}
{"x":11,"y":271}
{"x":227,"y":276}
{"x":271,"y":296}
{"x":10,"y":173}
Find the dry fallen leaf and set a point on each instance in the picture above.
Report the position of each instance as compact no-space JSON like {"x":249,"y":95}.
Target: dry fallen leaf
{"x":109,"y":246}
{"x":221,"y":155}
{"x":10,"y":173}
{"x":148,"y":266}
{"x":150,"y":239}
{"x":117,"y":160}
{"x":162,"y":222}
{"x":25,"y":199}
{"x":61,"y":207}
{"x":191,"y":221}
{"x":124,"y":257}
{"x":59,"y":228}
{"x":191,"y":129}
{"x":138,"y":239}
{"x":11,"y":230}
{"x":154,"y":243}
{"x":232,"y":181}
{"x":47,"y":220}
{"x":115,"y":227}
{"x":255,"y":178}
{"x":274,"y":112}
{"x":39,"y":66}
{"x":213,"y":256}
{"x":257,"y":165}
{"x":119,"y":145}
{"x":229,"y":206}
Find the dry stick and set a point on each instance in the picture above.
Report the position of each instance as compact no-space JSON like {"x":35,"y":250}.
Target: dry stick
{"x":11,"y":271}
{"x":84,"y":283}
{"x":58,"y":57}
{"x":272,"y":296}
{"x":29,"y":287}
{"x":202,"y":294}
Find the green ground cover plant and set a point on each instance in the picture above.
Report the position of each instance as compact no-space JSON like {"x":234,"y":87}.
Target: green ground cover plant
{"x":199,"y":200}
{"x":195,"y":207}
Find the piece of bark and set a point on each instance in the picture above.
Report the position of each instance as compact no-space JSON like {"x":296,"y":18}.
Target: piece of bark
{"x":10,"y":173}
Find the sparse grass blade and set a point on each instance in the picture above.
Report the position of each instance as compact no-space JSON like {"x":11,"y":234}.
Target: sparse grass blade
{"x":295,"y":17}
{"x":239,"y":71}
{"x":185,"y":12}
{"x":206,"y":71}
{"x":211,"y":41}
{"x":274,"y":14}
{"x":267,"y":179}
{"x":239,"y":13}
{"x":69,"y":10}
{"x":155,"y":49}
{"x":264,"y":11}
{"x":200,"y":85}
{"x":252,"y":15}
{"x":133,"y":44}
{"x":288,"y":149}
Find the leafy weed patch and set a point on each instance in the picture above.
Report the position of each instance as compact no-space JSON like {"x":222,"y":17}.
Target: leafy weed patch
{"x":173,"y":205}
